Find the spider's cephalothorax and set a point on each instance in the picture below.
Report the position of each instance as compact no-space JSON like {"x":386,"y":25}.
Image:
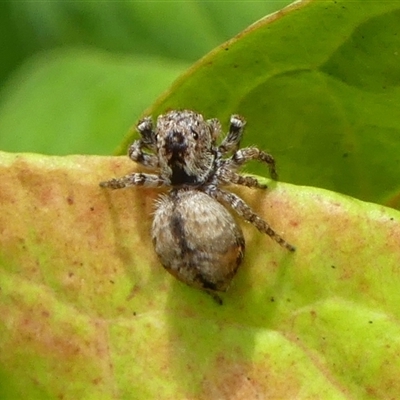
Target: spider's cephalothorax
{"x":185,"y":147}
{"x":195,"y":237}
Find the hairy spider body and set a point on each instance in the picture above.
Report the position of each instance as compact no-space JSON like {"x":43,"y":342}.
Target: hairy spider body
{"x":195,"y":237}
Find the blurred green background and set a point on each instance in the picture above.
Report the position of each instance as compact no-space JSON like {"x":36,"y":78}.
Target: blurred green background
{"x":319,"y":85}
{"x":75,"y":76}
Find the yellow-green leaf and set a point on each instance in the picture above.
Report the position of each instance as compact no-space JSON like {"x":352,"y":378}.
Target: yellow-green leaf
{"x":88,"y":312}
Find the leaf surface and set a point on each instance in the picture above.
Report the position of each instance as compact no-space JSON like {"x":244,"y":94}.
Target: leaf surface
{"x":88,"y":312}
{"x":319,"y":84}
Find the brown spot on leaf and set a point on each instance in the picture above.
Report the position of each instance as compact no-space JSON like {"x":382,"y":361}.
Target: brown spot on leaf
{"x":242,"y":379}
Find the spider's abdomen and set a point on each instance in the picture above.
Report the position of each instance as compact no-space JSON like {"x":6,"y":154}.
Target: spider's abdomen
{"x":197,"y":240}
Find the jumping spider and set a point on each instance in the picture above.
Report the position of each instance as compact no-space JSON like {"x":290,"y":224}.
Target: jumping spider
{"x":195,"y":237}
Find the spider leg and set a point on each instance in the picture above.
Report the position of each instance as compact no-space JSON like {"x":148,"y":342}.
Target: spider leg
{"x":215,"y":127}
{"x":246,"y":213}
{"x":145,"y":128}
{"x":232,"y":139}
{"x":246,"y":154}
{"x":137,"y":154}
{"x":147,"y":141}
{"x":227,"y":176}
{"x":135,"y":179}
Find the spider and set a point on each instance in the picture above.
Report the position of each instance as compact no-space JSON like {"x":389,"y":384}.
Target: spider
{"x":195,"y":237}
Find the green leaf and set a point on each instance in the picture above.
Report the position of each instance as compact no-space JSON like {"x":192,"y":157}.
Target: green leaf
{"x":65,"y":101}
{"x":175,"y":30}
{"x":319,"y":84}
{"x":88,"y":312}
{"x":97,"y":66}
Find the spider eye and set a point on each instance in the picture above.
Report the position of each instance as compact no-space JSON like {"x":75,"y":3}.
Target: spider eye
{"x":195,"y":134}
